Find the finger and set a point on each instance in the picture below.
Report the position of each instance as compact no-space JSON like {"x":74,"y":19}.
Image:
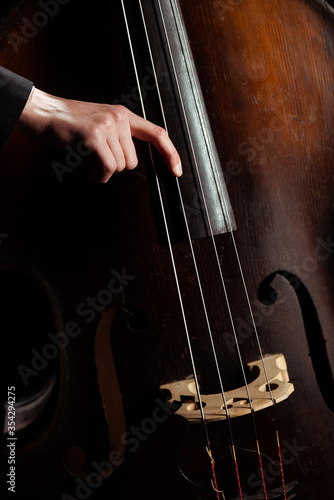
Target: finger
{"x":128,"y":148}
{"x":117,"y":153}
{"x":146,"y":131}
{"x":106,"y":161}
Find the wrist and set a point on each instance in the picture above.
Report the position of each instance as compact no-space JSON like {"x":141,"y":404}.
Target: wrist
{"x":33,"y":113}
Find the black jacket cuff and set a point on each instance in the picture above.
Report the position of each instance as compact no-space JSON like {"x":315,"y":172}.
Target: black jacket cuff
{"x":14,"y":93}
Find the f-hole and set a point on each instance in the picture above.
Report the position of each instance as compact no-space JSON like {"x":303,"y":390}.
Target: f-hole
{"x":313,"y":330}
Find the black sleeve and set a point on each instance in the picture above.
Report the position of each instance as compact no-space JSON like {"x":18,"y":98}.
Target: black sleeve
{"x":14,"y":93}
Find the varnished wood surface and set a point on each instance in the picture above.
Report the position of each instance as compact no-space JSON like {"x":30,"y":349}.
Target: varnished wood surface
{"x":266,"y":71}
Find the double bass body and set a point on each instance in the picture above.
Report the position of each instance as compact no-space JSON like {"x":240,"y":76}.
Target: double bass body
{"x":266,"y":74}
{"x":268,"y":96}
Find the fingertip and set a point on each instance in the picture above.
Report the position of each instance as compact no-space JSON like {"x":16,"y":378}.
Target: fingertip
{"x":173,"y":161}
{"x":177,"y":170}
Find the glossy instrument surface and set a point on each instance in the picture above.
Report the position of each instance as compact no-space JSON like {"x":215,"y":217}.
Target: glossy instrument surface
{"x":266,"y":75}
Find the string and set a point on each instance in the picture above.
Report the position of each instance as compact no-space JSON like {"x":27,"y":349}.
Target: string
{"x":223,"y":281}
{"x":187,"y":225}
{"x":200,"y":402}
{"x":198,"y":278}
{"x":195,"y":266}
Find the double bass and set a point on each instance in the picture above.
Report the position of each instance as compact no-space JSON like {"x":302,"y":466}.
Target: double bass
{"x":221,"y":283}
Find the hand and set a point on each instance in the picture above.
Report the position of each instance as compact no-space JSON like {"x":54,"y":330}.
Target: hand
{"x":106,"y":130}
